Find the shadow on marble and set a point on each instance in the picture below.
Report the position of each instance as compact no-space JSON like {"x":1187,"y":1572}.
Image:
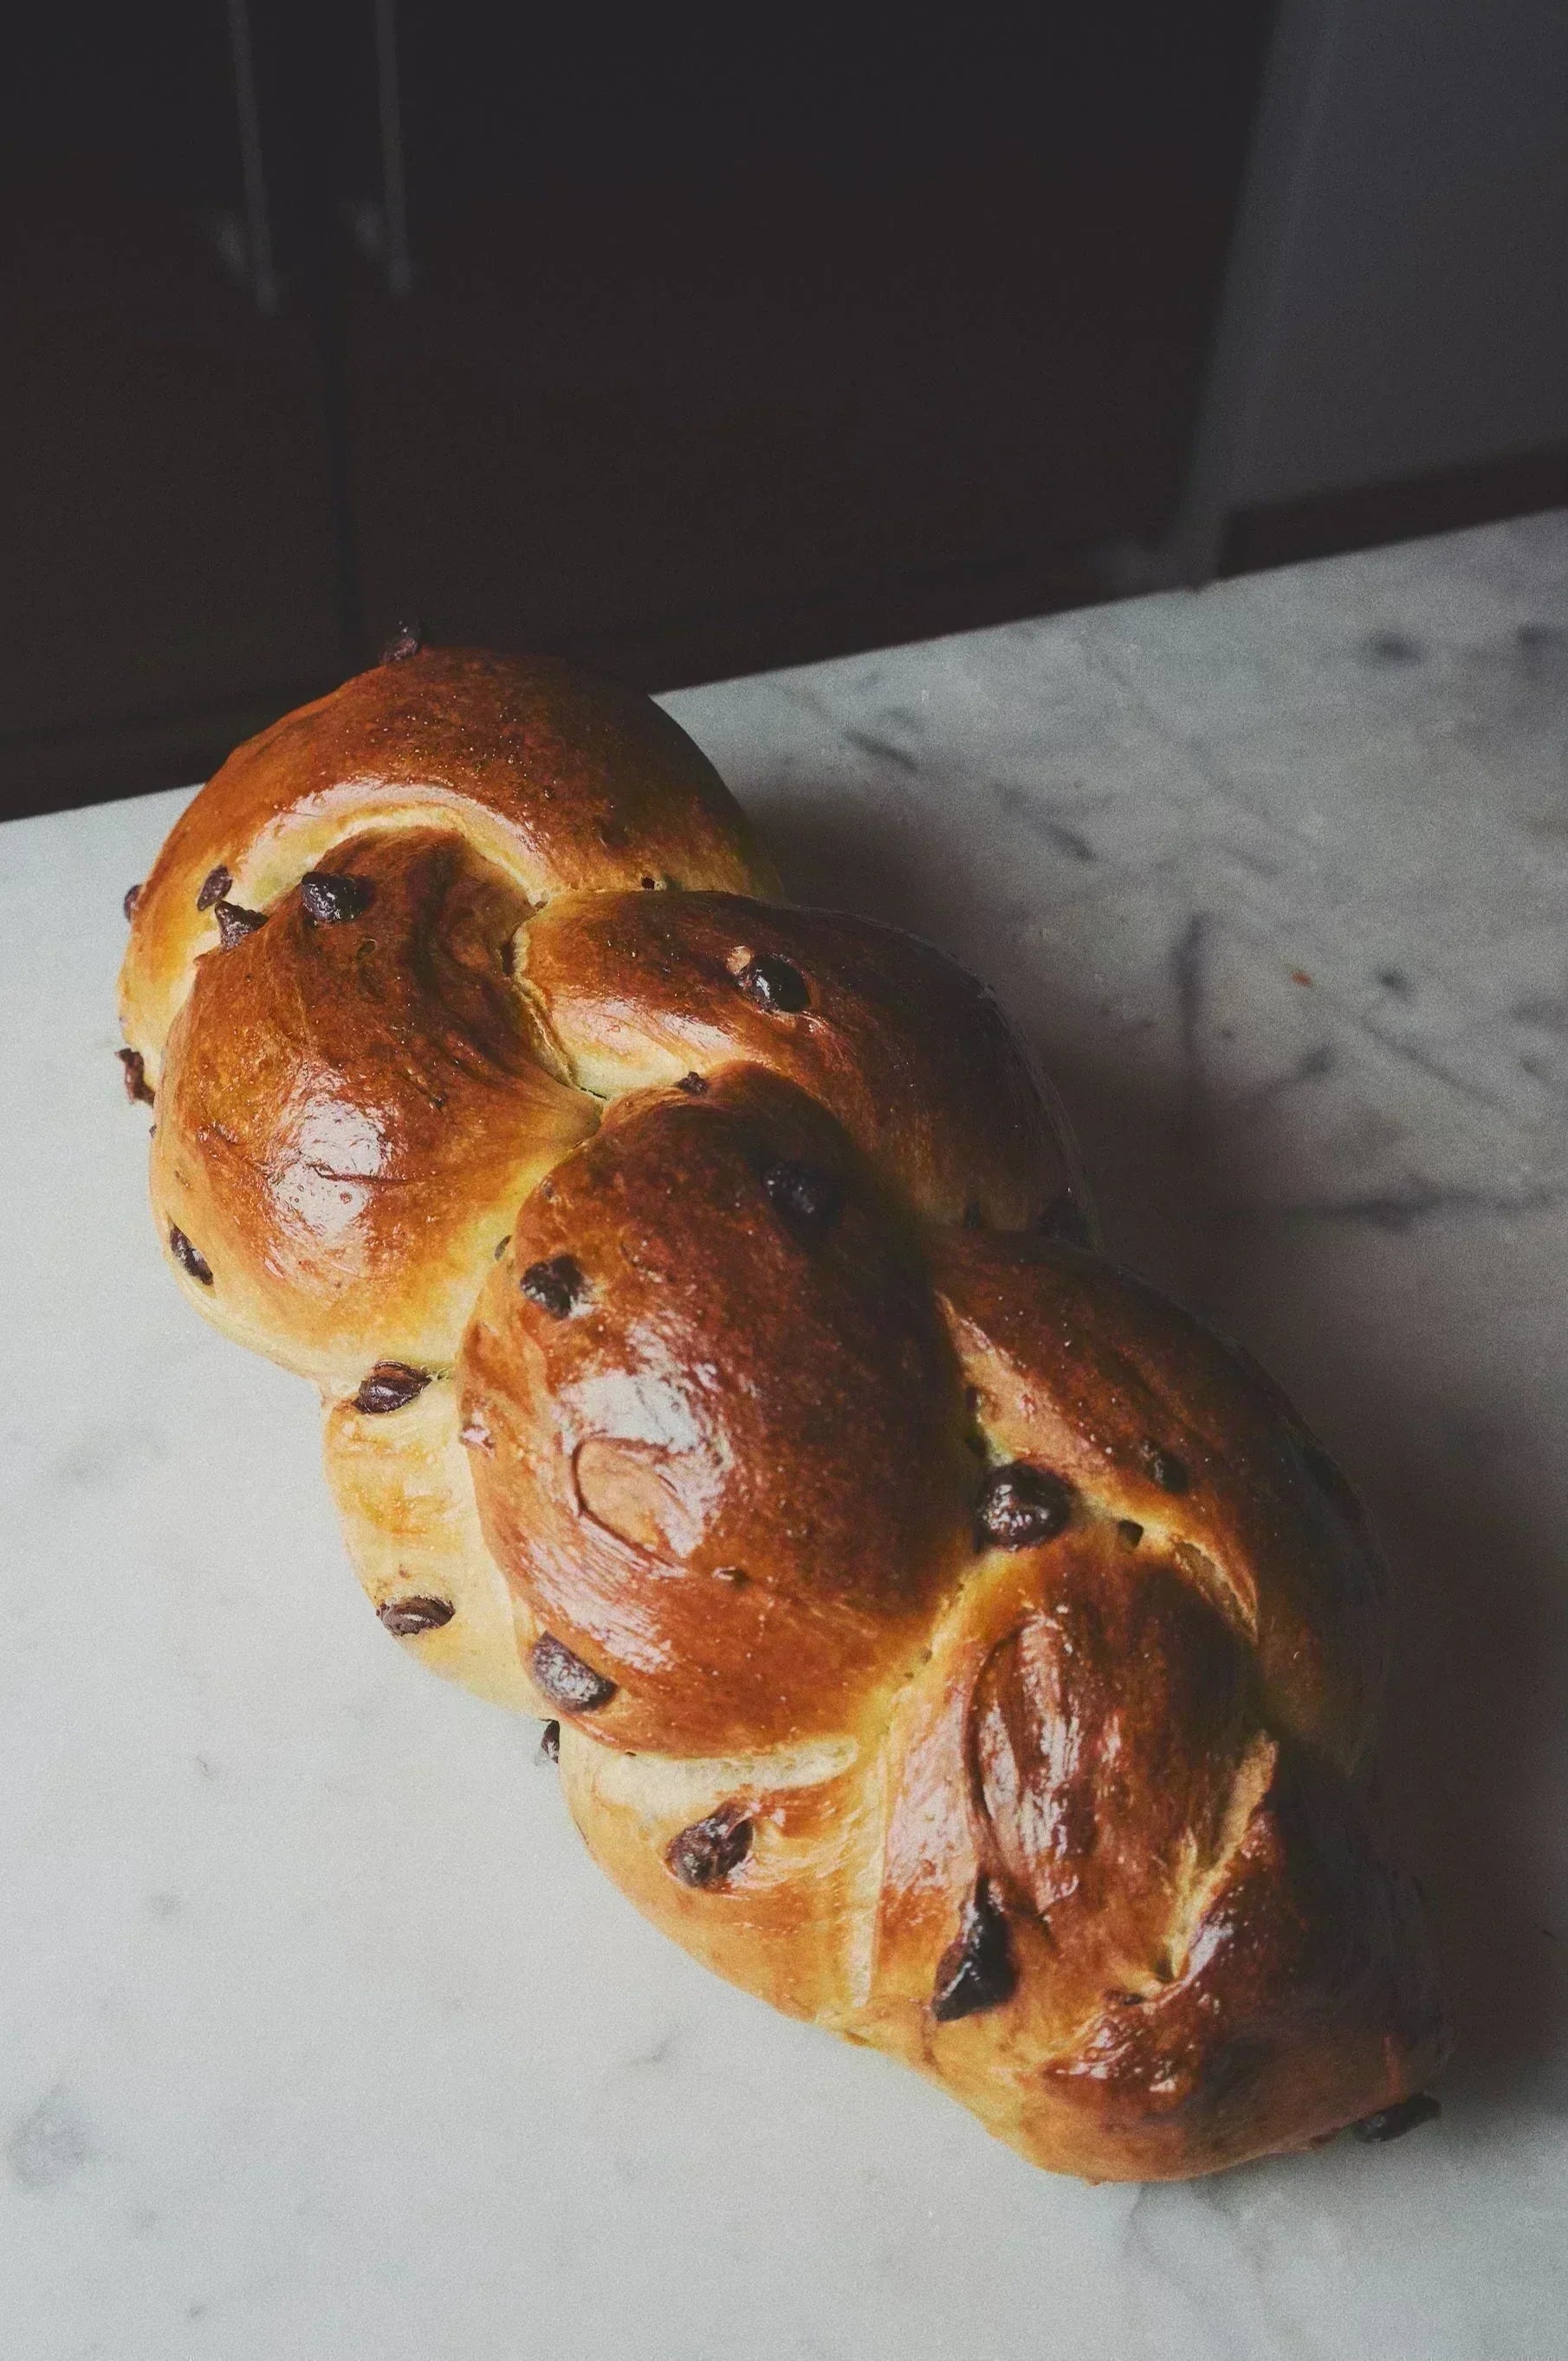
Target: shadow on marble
{"x":1471,"y":1725}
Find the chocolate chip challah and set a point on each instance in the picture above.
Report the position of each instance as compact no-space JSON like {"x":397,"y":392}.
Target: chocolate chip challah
{"x":950,"y":1641}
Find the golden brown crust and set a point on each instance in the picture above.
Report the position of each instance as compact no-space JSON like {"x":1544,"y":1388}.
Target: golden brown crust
{"x":349,"y":1112}
{"x":906,"y":1049}
{"x":399,"y":1480}
{"x":729,"y":1470}
{"x":563,"y":780}
{"x":955,"y":1643}
{"x":1168,"y":1427}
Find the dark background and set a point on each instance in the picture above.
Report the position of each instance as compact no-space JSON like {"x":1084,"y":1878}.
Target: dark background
{"x":692,"y":341}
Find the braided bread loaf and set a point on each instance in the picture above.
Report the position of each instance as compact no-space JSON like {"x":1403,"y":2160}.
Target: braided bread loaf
{"x":950,"y":1641}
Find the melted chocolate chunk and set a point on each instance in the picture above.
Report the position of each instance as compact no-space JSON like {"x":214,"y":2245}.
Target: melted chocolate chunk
{"x":133,"y":896}
{"x":712,"y":1850}
{"x":557,"y":1286}
{"x":549,"y":1742}
{"x":566,"y":1679}
{"x":806,"y":1200}
{"x":775,"y":984}
{"x":1171,"y":1474}
{"x":1065,"y":1219}
{"x":1021,"y":1506}
{"x":138,"y":1090}
{"x":329,"y":899}
{"x":976,"y":1970}
{"x":649,"y":885}
{"x":234,"y":924}
{"x":1393,"y":2122}
{"x":408,"y":1615}
{"x":389,"y":1386}
{"x":214,"y":885}
{"x":188,"y":1257}
{"x":406,"y":642}
{"x":693,"y":1085}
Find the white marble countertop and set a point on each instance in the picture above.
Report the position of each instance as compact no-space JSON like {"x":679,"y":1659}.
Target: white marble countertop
{"x":320,"y":2037}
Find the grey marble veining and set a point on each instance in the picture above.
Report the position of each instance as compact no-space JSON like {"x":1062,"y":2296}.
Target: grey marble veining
{"x":318,"y":2034}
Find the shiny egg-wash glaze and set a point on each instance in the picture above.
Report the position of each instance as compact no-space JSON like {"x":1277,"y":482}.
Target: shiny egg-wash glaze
{"x":950,"y":1641}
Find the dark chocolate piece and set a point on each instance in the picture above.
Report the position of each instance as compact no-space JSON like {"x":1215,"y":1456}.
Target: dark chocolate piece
{"x":133,"y":896}
{"x":806,"y":1200}
{"x":566,"y":1679}
{"x":234,"y":924}
{"x":693,"y":1085}
{"x":557,"y":1286}
{"x":775,"y":984}
{"x":390,"y":1385}
{"x":329,"y":899}
{"x":214,"y":885}
{"x":1171,"y":1474}
{"x":138,"y":1090}
{"x":408,"y":1615}
{"x":1021,"y":1506}
{"x":406,"y":642}
{"x":188,"y":1257}
{"x":549,"y":1742}
{"x":1393,"y":2122}
{"x":976,"y":1970}
{"x":712,"y":1850}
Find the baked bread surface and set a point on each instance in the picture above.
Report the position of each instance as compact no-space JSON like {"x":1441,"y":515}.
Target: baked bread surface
{"x":950,"y":1641}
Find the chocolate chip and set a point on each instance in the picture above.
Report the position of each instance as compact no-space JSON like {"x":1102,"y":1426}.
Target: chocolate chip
{"x":1131,"y":1534}
{"x":502,"y":1247}
{"x":329,"y":899}
{"x":549,"y":1742}
{"x":693,"y":1085}
{"x":975,"y":1971}
{"x":406,"y":642}
{"x":775,"y":984}
{"x":188,"y":1257}
{"x":1171,"y":1474}
{"x":806,"y":1200}
{"x":138,"y":1090}
{"x":234,"y":924}
{"x":214,"y":885}
{"x":1393,"y":2122}
{"x":389,"y":1386}
{"x":566,"y":1679}
{"x":408,"y":1615}
{"x":133,"y":896}
{"x":649,"y":885}
{"x":1021,"y":1506}
{"x":1065,"y":1219}
{"x":557,"y":1286}
{"x":712,"y":1850}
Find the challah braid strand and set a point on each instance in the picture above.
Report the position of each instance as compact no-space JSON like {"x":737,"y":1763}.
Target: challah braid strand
{"x":950,"y":1641}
